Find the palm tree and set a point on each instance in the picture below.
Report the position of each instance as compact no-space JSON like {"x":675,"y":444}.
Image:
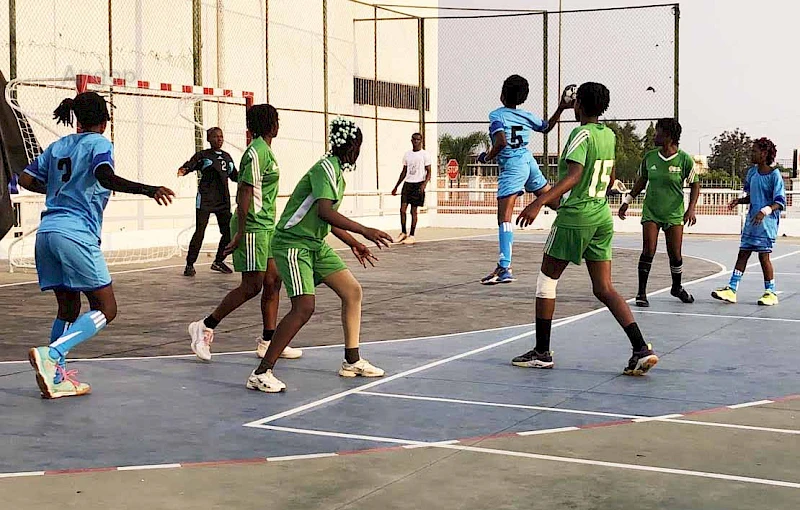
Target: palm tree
{"x":461,"y":148}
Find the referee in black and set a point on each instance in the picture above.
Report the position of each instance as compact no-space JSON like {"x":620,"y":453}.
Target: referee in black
{"x":215,"y":167}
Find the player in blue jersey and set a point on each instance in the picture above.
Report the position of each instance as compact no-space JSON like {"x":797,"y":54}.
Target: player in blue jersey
{"x":510,"y":129}
{"x":77,"y":174}
{"x":764,"y":191}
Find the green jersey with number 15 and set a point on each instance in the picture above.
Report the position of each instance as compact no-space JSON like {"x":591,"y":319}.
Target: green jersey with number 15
{"x":585,"y":205}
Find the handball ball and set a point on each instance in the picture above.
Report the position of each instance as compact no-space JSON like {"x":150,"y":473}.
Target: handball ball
{"x":570,"y":93}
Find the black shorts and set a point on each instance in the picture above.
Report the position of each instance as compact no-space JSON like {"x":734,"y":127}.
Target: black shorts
{"x":414,"y":193}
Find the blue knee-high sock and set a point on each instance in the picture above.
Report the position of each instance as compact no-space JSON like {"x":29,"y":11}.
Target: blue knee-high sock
{"x":87,"y":326}
{"x":506,"y":241}
{"x":736,"y":277}
{"x":60,"y":327}
{"x":769,"y":285}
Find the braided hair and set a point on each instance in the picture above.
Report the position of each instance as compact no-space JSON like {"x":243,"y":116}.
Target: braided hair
{"x":671,"y":128}
{"x":765,"y":144}
{"x":89,"y":108}
{"x":261,"y":120}
{"x":594,"y":98}
{"x":345,"y":140}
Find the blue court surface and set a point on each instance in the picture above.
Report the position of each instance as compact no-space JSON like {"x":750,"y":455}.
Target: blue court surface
{"x":177,"y":410}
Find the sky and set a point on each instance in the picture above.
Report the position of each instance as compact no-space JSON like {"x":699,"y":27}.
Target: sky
{"x":738,"y":66}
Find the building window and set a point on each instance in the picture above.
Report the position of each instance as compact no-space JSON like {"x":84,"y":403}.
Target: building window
{"x":390,"y":95}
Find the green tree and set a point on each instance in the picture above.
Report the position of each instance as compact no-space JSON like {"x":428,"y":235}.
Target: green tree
{"x":629,"y":152}
{"x":731,"y":152}
{"x":461,"y":148}
{"x":720,"y":177}
{"x":650,"y":137}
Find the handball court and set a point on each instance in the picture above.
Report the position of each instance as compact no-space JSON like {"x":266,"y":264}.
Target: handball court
{"x":452,"y":425}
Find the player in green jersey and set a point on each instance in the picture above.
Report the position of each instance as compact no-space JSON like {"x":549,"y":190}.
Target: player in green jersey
{"x":305,"y":260}
{"x":664,"y":172}
{"x":583,"y":230}
{"x":252,"y":227}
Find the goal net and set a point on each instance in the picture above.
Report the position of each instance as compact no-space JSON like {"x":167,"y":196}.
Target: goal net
{"x":155,"y":127}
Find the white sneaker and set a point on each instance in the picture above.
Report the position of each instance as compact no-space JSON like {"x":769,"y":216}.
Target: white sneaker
{"x":288,"y":352}
{"x":265,"y":382}
{"x":361,"y":367}
{"x":400,"y":238}
{"x":408,"y":240}
{"x":201,"y":340}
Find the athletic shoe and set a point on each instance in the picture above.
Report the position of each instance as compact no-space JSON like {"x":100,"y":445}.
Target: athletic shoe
{"x":768,"y":299}
{"x":641,"y":361}
{"x":533,"y":359}
{"x":288,"y":352}
{"x":69,"y":385}
{"x":491,"y":278}
{"x":361,"y":367}
{"x":189,"y":270}
{"x":408,"y":240}
{"x":726,"y":294}
{"x":400,"y":238}
{"x":642,"y":301}
{"x":265,"y":382}
{"x":45,"y":368}
{"x":505,"y":276}
{"x":202,"y":337}
{"x":221,"y":267}
{"x":682,"y":294}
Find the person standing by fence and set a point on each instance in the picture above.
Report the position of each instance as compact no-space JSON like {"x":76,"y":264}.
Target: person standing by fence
{"x":415,"y":177}
{"x":213,"y":196}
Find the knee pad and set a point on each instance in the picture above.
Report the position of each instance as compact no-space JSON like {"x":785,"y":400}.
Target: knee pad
{"x":546,"y":286}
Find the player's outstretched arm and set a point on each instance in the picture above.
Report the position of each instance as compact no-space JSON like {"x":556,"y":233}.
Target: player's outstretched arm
{"x":327,"y":214}
{"x":109,"y":180}
{"x":361,"y":252}
{"x":31,"y":183}
{"x":529,"y":214}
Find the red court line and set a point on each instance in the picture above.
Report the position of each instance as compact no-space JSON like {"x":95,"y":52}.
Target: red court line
{"x":265,"y":460}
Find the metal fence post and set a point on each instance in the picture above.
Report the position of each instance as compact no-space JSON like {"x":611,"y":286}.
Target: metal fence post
{"x":375,"y":93}
{"x":325,"y":68}
{"x":111,"y":65}
{"x":266,"y":47}
{"x":422,"y":95}
{"x":12,"y":39}
{"x":197,"y":65}
{"x":677,"y":10}
{"x":545,"y":150}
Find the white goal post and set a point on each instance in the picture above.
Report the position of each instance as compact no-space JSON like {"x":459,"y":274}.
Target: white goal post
{"x":154,"y":127}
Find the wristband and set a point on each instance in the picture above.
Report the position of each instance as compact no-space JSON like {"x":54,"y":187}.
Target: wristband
{"x":743,"y":195}
{"x":766,"y":210}
{"x":627,"y":199}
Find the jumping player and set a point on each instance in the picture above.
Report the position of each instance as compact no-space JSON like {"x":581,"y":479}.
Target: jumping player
{"x":664,"y":172}
{"x":583,"y":229}
{"x":510,"y":129}
{"x":215,"y":167}
{"x":305,"y":260}
{"x":253,"y":226}
{"x":764,"y":191}
{"x":77,"y":174}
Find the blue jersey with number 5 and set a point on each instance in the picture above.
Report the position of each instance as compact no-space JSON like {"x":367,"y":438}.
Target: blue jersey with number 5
{"x":517,"y":125}
{"x":75,"y":200}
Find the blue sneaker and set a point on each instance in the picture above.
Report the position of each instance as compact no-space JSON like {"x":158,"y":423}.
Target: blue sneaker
{"x":505,"y":276}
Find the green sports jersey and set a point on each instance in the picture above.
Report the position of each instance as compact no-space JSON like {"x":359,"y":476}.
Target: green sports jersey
{"x":260,"y":170}
{"x":300,"y":226}
{"x":585,"y":205}
{"x":663,"y":202}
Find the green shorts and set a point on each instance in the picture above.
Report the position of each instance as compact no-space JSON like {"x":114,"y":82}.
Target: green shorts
{"x":663,"y":224}
{"x":301,"y":269}
{"x":579,"y":243}
{"x":253,"y":252}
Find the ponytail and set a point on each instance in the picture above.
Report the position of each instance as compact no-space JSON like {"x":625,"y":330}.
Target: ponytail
{"x":63,"y":114}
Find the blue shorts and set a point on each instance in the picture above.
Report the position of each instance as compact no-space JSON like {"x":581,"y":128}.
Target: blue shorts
{"x":756,"y":245}
{"x":518,"y":175}
{"x":67,"y":264}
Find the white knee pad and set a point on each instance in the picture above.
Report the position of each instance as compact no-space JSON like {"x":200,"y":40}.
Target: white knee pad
{"x":546,"y":286}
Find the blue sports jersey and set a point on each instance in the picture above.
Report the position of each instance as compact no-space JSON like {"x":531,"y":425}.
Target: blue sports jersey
{"x":517,"y":125}
{"x":764,"y":190}
{"x":75,"y":200}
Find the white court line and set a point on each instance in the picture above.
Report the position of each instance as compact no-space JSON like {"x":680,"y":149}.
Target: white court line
{"x":412,"y":371}
{"x":21,"y":474}
{"x":547,"y":431}
{"x":742,"y":317}
{"x":301,"y":457}
{"x":415,"y":446}
{"x":751,"y":404}
{"x":496,"y":404}
{"x":729,"y":426}
{"x":148,"y":466}
{"x":656,"y":418}
{"x":173,"y":266}
{"x":551,"y":458}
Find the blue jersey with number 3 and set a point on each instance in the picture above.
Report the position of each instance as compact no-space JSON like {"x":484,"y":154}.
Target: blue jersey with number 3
{"x":75,"y":200}
{"x":517,"y":125}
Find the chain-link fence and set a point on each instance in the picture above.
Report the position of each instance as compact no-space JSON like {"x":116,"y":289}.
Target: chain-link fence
{"x":395,"y":70}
